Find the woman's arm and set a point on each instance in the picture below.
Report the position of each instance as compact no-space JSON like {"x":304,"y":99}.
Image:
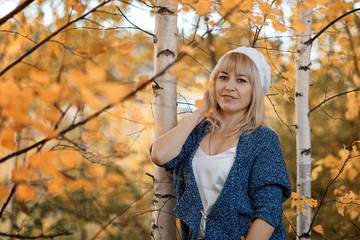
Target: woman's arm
{"x":260,"y":230}
{"x":169,"y":145}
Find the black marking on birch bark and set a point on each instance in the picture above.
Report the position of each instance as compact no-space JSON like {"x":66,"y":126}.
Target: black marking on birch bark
{"x":305,"y":235}
{"x":306,"y":151}
{"x":165,"y":11}
{"x":166,"y":52}
{"x":297,"y":94}
{"x":154,"y":226}
{"x":167,"y":196}
{"x":155,"y":39}
{"x":156,"y":87}
{"x":305,"y":68}
{"x":296,"y":126}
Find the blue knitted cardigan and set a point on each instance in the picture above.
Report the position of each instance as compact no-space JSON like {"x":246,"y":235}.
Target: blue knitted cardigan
{"x":256,"y":186}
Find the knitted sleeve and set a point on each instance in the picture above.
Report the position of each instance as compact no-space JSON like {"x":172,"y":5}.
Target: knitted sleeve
{"x":269,"y":183}
{"x":187,"y":147}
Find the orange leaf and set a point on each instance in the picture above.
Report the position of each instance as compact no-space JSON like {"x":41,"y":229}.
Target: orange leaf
{"x":4,"y":192}
{"x":48,"y":132}
{"x":55,"y":188}
{"x":40,"y":76}
{"x":187,"y":49}
{"x":95,"y":171}
{"x":20,"y":174}
{"x":203,"y":7}
{"x":141,"y":80}
{"x":125,"y":46}
{"x":295,"y":195}
{"x":265,"y":8}
{"x":319,"y":229}
{"x":198,"y":103}
{"x":70,"y":159}
{"x":8,"y":138}
{"x":125,"y":68}
{"x":229,"y":4}
{"x":299,"y":27}
{"x":52,"y":115}
{"x":25,"y":192}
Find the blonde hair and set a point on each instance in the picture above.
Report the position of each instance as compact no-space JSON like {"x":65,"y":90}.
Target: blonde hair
{"x":254,"y":116}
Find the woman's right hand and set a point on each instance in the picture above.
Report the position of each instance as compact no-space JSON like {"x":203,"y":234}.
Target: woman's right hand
{"x":204,"y":107}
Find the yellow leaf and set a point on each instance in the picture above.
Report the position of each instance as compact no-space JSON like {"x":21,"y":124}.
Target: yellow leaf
{"x":115,"y":92}
{"x":229,"y":5}
{"x":70,"y":159}
{"x":310,"y":3}
{"x":125,"y":46}
{"x":40,"y":76}
{"x":52,"y":115}
{"x":125,"y":68}
{"x":321,"y":1}
{"x":187,"y":49}
{"x":279,"y":27}
{"x":74,"y":185}
{"x":96,"y":171}
{"x":299,"y":27}
{"x":340,"y":208}
{"x":8,"y":138}
{"x":265,"y":8}
{"x":203,"y":7}
{"x":319,"y":229}
{"x":91,"y":98}
{"x":95,"y":74}
{"x":294,"y":195}
{"x":43,"y":129}
{"x":79,"y":78}
{"x":49,"y":95}
{"x":4,"y":193}
{"x":25,"y":192}
{"x":212,"y":23}
{"x":20,"y":174}
{"x":55,"y":187}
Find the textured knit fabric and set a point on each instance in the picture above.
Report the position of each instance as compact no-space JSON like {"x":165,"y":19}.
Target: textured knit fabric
{"x":256,"y":186}
{"x":210,"y":174}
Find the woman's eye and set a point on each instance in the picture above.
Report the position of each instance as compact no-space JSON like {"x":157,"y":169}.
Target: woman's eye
{"x":241,"y":80}
{"x":223,"y":77}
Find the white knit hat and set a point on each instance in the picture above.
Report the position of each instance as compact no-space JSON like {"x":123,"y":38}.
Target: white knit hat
{"x":260,"y":63}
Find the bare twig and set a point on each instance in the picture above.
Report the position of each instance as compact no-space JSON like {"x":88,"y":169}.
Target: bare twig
{"x":15,"y":11}
{"x":311,"y":40}
{"x":49,"y":37}
{"x":35,"y":237}
{"x":287,"y":125}
{"x":8,"y":200}
{"x":332,"y":97}
{"x":325,"y":192}
{"x":151,"y":34}
{"x":119,"y":214}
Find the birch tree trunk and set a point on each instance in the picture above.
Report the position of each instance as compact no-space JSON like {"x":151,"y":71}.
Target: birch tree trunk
{"x":303,"y":139}
{"x":163,"y":221}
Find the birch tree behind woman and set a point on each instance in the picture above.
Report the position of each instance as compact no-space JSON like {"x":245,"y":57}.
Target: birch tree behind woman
{"x":227,"y":168}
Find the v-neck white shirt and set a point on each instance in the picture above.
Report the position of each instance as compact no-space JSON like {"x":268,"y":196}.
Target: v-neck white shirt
{"x":210,"y":174}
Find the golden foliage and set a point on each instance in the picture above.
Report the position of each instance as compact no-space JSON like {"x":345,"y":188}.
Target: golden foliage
{"x":25,"y":193}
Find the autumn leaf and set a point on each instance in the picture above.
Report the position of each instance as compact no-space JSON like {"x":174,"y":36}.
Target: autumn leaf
{"x":25,"y":193}
{"x":319,"y":229}
{"x":96,"y":171}
{"x":203,"y":7}
{"x":52,"y":115}
{"x":187,"y":49}
{"x":70,"y":159}
{"x":39,"y":76}
{"x":198,"y":103}
{"x":265,"y":8}
{"x":299,"y":27}
{"x":8,"y":138}
{"x":125,"y":46}
{"x":4,"y":193}
{"x":125,"y":68}
{"x":20,"y":174}
{"x":229,"y":4}
{"x":45,"y":130}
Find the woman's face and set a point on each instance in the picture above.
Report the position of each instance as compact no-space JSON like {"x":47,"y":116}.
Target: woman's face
{"x":233,"y":92}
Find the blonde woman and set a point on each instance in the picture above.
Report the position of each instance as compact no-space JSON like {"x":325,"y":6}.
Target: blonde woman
{"x":227,"y":168}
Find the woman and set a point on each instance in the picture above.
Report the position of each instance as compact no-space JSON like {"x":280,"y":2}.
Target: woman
{"x":227,"y":167}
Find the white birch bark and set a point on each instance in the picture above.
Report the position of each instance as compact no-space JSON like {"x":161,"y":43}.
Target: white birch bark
{"x":303,"y":139}
{"x":163,"y":221}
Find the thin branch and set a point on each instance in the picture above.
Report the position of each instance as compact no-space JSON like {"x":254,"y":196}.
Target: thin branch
{"x":311,"y":40}
{"x":332,"y":97}
{"x":49,"y":37}
{"x":287,"y":125}
{"x":326,"y":190}
{"x":22,"y":35}
{"x":151,"y":34}
{"x":8,"y":200}
{"x":258,"y":30}
{"x":35,"y":237}
{"x":15,"y":11}
{"x":109,"y":106}
{"x":119,"y":215}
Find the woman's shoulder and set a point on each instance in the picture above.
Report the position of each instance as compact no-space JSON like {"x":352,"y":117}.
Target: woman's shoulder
{"x":264,"y":132}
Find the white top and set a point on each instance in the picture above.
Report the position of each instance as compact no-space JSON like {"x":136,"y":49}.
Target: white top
{"x":210,"y":174}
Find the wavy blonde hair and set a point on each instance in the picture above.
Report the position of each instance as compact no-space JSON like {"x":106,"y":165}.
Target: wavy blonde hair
{"x":254,"y":116}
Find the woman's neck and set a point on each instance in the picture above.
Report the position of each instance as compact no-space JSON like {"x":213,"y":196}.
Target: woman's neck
{"x":229,"y":120}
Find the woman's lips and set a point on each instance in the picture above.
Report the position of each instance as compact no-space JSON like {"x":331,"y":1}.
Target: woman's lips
{"x":228,"y":97}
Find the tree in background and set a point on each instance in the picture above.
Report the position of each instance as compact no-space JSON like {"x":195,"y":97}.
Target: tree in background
{"x":76,"y":110}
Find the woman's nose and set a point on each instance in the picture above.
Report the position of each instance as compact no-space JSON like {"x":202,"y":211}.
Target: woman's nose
{"x":229,"y":86}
